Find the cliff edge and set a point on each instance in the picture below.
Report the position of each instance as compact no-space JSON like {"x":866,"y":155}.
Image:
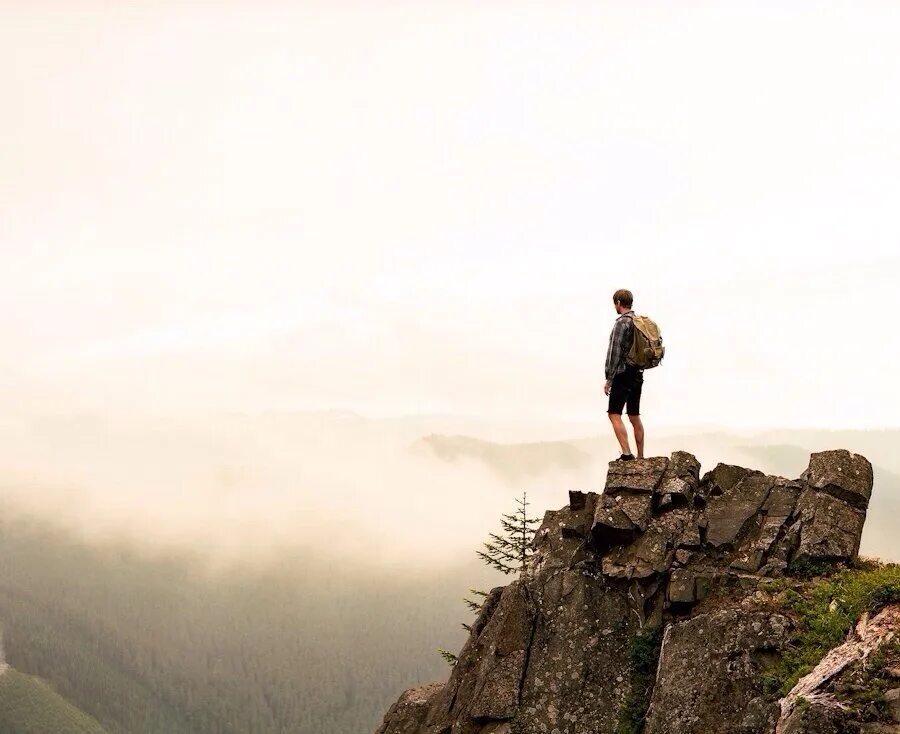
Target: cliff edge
{"x":675,"y":604}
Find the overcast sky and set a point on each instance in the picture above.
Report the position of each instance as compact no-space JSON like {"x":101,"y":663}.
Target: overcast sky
{"x":405,"y":207}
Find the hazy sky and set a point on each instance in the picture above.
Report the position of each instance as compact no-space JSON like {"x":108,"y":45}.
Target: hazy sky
{"x":424,"y":207}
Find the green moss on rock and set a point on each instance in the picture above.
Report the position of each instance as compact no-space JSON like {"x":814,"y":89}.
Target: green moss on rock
{"x":643,"y":656}
{"x":826,"y":610}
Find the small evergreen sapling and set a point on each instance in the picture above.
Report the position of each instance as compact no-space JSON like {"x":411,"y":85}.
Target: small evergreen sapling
{"x":507,"y":552}
{"x":448,"y":656}
{"x":474,"y":606}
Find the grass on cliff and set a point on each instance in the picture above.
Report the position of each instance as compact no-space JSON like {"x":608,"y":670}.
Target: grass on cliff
{"x":827,"y":611}
{"x":643,"y":656}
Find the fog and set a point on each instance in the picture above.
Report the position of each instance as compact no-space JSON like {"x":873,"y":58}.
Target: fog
{"x":223,"y":222}
{"x":242,"y":486}
{"x":413,"y":208}
{"x":338,"y":485}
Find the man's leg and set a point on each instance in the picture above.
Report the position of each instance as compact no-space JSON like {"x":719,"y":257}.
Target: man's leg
{"x":619,"y":430}
{"x":638,"y":433}
{"x":633,"y":408}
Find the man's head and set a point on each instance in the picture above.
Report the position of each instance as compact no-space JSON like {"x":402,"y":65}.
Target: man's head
{"x":622,"y":300}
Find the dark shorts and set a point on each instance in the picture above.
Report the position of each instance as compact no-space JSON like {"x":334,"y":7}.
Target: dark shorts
{"x":626,"y":391}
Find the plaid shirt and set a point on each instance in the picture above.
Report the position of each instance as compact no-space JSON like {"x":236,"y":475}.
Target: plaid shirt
{"x":619,"y":344}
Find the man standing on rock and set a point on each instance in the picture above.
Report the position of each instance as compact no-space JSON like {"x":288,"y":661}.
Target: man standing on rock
{"x":624,"y":381}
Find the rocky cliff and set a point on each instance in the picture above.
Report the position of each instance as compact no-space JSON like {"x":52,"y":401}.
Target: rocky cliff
{"x":669,"y":604}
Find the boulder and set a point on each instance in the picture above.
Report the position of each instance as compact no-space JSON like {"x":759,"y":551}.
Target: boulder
{"x":621,"y":517}
{"x":485,"y":682}
{"x":407,"y":715}
{"x":682,"y":587}
{"x":842,"y":474}
{"x":650,"y":554}
{"x":637,"y":476}
{"x":709,"y":679}
{"x":504,"y":642}
{"x":680,"y":479}
{"x":831,"y":509}
{"x":775,"y":516}
{"x":735,"y":510}
{"x":718,"y":481}
{"x":560,"y":540}
{"x":820,"y":715}
{"x":829,"y":529}
{"x":577,"y":673}
{"x":891,"y":700}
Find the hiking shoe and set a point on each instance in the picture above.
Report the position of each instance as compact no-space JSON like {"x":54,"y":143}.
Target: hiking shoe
{"x":626,"y":457}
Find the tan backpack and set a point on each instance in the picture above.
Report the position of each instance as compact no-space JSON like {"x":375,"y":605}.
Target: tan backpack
{"x":647,"y":349}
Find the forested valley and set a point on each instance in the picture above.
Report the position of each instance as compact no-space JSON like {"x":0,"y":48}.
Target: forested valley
{"x":168,"y":644}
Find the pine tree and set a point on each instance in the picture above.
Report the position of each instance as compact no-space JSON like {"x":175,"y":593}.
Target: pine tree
{"x":475,"y":606}
{"x":448,"y":656}
{"x":509,"y":552}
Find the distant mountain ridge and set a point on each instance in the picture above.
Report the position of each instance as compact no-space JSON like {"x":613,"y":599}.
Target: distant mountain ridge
{"x":511,"y":461}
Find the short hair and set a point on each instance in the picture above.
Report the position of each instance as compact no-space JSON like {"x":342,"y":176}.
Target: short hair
{"x":624,"y":297}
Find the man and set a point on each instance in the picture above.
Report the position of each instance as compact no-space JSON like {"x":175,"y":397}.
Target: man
{"x":624,"y":381}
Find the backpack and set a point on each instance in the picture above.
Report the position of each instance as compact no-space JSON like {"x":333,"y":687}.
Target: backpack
{"x":647,"y":349}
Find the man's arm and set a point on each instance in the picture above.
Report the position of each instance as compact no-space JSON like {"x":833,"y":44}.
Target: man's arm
{"x":615,"y":355}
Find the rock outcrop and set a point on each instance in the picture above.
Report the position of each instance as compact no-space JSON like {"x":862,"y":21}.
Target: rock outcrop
{"x":660,"y":549}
